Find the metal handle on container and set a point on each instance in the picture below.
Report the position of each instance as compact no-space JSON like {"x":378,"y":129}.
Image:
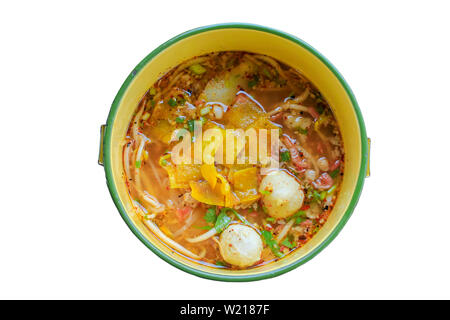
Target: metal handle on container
{"x":368,"y":158}
{"x":102,"y":135}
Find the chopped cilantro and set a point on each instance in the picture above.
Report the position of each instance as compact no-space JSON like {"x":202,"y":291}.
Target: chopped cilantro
{"x":172,"y":102}
{"x":285,"y":156}
{"x":271,"y":243}
{"x":191,"y":125}
{"x":299,"y":216}
{"x":210,"y":215}
{"x":180,"y":119}
{"x":254,"y":81}
{"x":222,"y":222}
{"x":288,"y":243}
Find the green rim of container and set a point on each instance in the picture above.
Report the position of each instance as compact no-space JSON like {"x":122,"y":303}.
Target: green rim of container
{"x":210,"y":275}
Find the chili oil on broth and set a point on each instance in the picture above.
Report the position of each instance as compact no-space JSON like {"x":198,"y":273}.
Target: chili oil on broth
{"x":192,"y":208}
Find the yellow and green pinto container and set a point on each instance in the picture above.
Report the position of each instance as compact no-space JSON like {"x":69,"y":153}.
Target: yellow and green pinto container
{"x":257,"y":39}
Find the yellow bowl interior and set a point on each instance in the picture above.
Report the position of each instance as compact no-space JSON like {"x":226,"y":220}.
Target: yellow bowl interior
{"x":257,"y":41}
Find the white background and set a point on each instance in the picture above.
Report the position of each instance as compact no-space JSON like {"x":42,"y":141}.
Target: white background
{"x":61,"y":65}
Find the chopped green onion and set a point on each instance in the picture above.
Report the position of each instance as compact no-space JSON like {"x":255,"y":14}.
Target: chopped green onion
{"x":221,"y":263}
{"x":191,"y":125}
{"x":152,"y":103}
{"x":334,"y":173}
{"x":267,"y":73}
{"x":285,"y":156}
{"x":172,"y":102}
{"x":180,"y":119}
{"x":320,"y":109}
{"x":203,"y":227}
{"x":252,"y":83}
{"x":197,"y":69}
{"x":299,"y":220}
{"x":303,"y":131}
{"x":281,"y":82}
{"x":266,"y":192}
{"x":163,"y":160}
{"x":323,"y":194}
{"x":316,"y":195}
{"x":181,"y":101}
{"x":138,"y":164}
{"x":331,"y":190}
{"x":146,"y":116}
{"x":270,"y":219}
{"x":204,"y":111}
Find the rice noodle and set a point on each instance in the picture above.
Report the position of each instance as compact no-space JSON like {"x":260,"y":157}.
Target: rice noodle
{"x":287,"y":106}
{"x":137,"y":117}
{"x":270,"y":89}
{"x":126,"y":160}
{"x":138,"y":156}
{"x":285,"y":230}
{"x":141,"y":146}
{"x":155,"y":205}
{"x":161,"y":235}
{"x":273,"y":63}
{"x":139,"y":208}
{"x":170,"y":85}
{"x":189,"y":221}
{"x":203,"y":253}
{"x":302,"y":97}
{"x":309,"y":157}
{"x":203,"y":237}
{"x":155,"y":173}
{"x":178,"y":73}
{"x":252,"y":59}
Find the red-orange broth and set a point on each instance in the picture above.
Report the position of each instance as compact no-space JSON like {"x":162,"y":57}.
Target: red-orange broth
{"x":231,"y":215}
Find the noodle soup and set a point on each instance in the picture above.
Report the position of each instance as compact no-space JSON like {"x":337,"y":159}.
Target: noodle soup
{"x":245,"y":212}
